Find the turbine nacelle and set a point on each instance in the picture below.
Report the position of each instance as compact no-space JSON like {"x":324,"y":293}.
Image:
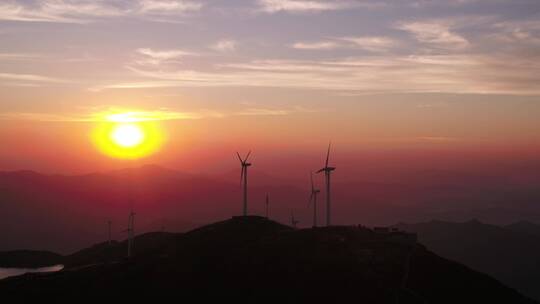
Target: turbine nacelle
{"x":326,"y":169}
{"x":243,"y":161}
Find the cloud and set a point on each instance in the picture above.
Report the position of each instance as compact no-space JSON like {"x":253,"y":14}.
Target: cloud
{"x":156,"y":57}
{"x":163,"y":54}
{"x":134,"y":85}
{"x":119,"y":115}
{"x":114,"y":115}
{"x":522,"y":32}
{"x":272,"y":6}
{"x":321,"y":45}
{"x":437,"y":33}
{"x":262,"y":112}
{"x":168,"y":7}
{"x":371,"y":43}
{"x":458,"y":73}
{"x":433,"y":105}
{"x":427,"y":3}
{"x":57,"y":11}
{"x":302,"y":6}
{"x":123,"y":116}
{"x":224,"y":45}
{"x":367,"y":43}
{"x":450,"y":54}
{"x":30,"y":78}
{"x":18,"y":56}
{"x":85,"y":11}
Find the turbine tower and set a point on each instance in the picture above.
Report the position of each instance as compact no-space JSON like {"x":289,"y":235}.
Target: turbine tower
{"x":131,"y":232}
{"x":313,"y":199}
{"x":243,"y":178}
{"x":267,"y":203}
{"x":327,"y":171}
{"x":109,"y":222}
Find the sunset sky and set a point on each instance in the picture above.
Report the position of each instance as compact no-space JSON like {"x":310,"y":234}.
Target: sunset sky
{"x":281,"y":77}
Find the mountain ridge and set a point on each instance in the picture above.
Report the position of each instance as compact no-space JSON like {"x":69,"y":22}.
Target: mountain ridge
{"x":243,"y":258}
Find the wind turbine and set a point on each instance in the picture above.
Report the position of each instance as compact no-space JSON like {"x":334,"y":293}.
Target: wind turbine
{"x":131,"y":232}
{"x":327,"y":171}
{"x":313,"y":199}
{"x":109,"y":222}
{"x":267,"y":203}
{"x":294,"y":221}
{"x":243,"y":178}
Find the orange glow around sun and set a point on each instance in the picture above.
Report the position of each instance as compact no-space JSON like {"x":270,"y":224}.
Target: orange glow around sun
{"x":128,"y":136}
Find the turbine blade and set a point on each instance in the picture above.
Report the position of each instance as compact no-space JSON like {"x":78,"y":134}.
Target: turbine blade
{"x":240,"y":158}
{"x":247,"y":156}
{"x":321,"y":170}
{"x":328,"y":155}
{"x":242,"y":175}
{"x":312,"y":185}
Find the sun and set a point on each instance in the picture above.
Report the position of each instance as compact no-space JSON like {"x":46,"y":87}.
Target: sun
{"x":126,"y":136}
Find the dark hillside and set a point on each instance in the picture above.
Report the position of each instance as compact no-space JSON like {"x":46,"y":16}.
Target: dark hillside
{"x":253,"y":259}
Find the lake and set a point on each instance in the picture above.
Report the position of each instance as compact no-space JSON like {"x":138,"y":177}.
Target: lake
{"x":9,"y":272}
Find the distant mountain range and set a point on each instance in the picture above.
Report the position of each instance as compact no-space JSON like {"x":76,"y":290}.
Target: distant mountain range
{"x":511,"y":254}
{"x":525,"y":227}
{"x":253,"y":260}
{"x":63,"y":213}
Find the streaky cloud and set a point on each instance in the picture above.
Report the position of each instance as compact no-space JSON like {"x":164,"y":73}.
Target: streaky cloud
{"x":224,"y":45}
{"x":120,"y":115}
{"x":30,"y":77}
{"x":437,"y":33}
{"x":86,"y":11}
{"x":367,"y":43}
{"x":303,"y":6}
{"x":453,"y":73}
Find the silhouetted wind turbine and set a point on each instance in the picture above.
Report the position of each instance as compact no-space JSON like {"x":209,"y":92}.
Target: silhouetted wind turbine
{"x":313,"y":200}
{"x":327,"y":171}
{"x":267,"y":203}
{"x":109,"y":222}
{"x":243,"y":177}
{"x":131,"y":232}
{"x":294,"y":221}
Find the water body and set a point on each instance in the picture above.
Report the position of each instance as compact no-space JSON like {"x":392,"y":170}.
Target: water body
{"x":9,"y":272}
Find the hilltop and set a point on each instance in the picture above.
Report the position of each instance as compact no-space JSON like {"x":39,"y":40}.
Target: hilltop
{"x":253,"y":259}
